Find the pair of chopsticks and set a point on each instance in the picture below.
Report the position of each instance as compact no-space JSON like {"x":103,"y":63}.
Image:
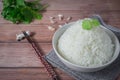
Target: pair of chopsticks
{"x":48,"y":67}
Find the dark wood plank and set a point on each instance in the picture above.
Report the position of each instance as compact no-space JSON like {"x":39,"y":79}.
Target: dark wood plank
{"x":29,"y":74}
{"x":21,"y":54}
{"x":80,"y":4}
{"x":8,"y":31}
{"x":77,"y":14}
{"x":83,"y":5}
{"x":113,"y":4}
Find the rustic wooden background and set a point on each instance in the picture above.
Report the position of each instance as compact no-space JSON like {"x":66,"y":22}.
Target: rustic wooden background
{"x":17,"y":59}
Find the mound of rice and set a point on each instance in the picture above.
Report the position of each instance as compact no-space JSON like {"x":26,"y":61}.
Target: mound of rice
{"x":85,"y":47}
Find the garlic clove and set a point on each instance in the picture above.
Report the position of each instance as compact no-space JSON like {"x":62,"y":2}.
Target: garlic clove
{"x":60,"y":16}
{"x":51,"y":28}
{"x":59,"y":26}
{"x":65,"y":23}
{"x":51,"y":18}
{"x":53,"y":22}
{"x":69,"y":18}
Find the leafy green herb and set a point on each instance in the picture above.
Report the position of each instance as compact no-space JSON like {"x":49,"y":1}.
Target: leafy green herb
{"x":95,"y":22}
{"x":90,"y":23}
{"x":21,"y":11}
{"x":86,"y":24}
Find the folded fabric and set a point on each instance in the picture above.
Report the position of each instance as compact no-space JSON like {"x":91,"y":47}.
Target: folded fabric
{"x":109,"y":73}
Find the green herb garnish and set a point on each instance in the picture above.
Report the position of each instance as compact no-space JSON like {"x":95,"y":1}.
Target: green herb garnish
{"x":88,"y":24}
{"x":21,"y":11}
{"x":95,"y":22}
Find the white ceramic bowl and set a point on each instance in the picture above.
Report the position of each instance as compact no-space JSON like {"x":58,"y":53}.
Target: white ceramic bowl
{"x":61,"y":30}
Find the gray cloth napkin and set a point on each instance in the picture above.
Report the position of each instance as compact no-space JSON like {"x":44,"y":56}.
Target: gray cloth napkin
{"x":109,"y":73}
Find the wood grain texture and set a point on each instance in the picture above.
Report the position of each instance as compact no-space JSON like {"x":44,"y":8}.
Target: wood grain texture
{"x":80,"y":4}
{"x":83,"y":4}
{"x":111,"y":16}
{"x":21,"y":54}
{"x":8,"y":30}
{"x":18,"y":60}
{"x":29,"y":74}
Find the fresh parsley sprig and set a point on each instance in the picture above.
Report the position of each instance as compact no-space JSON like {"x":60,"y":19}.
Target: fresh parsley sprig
{"x":21,"y":11}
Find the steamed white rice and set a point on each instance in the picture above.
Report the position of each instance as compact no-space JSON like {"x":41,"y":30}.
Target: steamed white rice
{"x":85,"y":47}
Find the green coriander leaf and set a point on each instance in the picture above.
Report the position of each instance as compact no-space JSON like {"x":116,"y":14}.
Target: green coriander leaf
{"x":95,"y":22}
{"x":90,"y":23}
{"x":7,"y":3}
{"x":27,"y":14}
{"x":86,"y":24}
{"x":21,"y":11}
{"x":20,"y":3}
{"x":36,"y":15}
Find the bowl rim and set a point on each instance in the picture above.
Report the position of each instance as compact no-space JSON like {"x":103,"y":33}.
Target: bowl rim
{"x":117,"y":50}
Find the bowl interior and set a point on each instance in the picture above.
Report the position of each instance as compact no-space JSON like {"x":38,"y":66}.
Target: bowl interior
{"x":61,"y":30}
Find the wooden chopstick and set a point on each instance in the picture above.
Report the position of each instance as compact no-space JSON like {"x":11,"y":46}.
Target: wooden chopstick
{"x":48,"y":67}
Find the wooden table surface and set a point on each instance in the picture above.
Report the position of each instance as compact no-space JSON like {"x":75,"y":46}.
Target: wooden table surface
{"x":17,"y":59}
